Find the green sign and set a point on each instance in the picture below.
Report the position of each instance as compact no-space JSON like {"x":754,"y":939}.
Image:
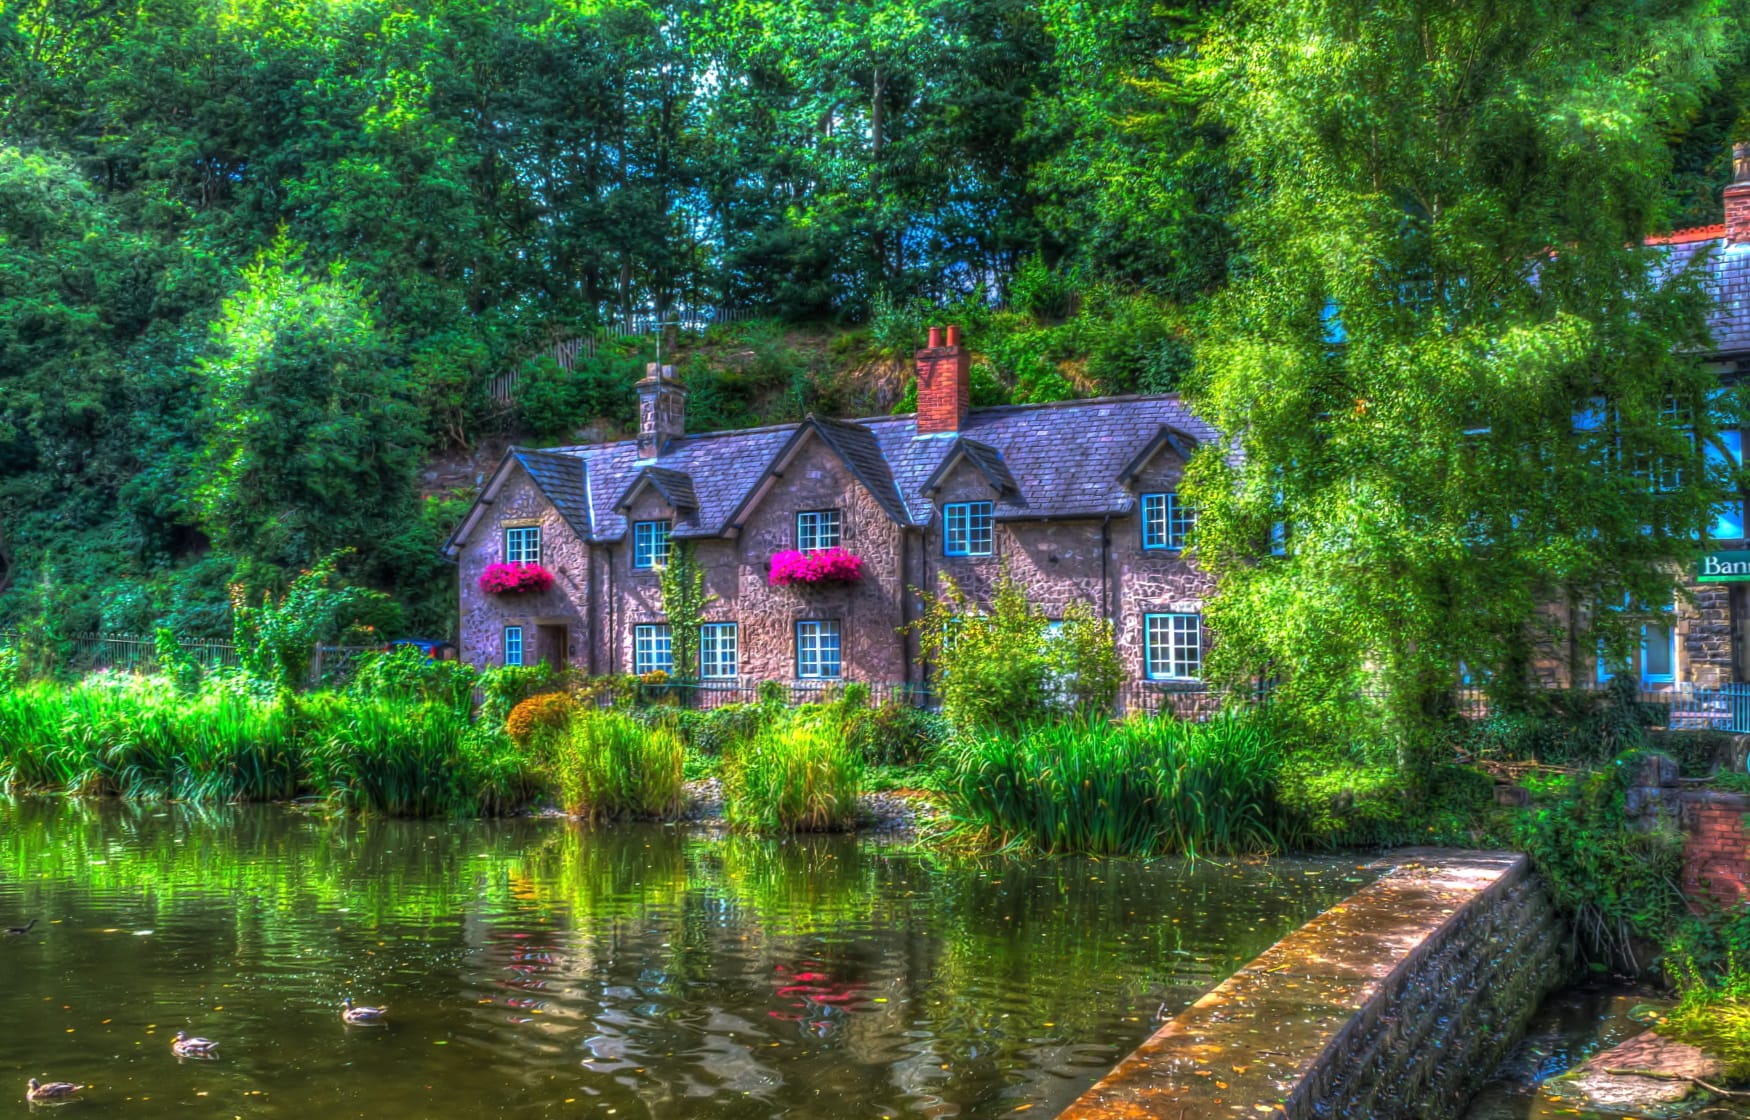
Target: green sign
{"x":1724,"y":567}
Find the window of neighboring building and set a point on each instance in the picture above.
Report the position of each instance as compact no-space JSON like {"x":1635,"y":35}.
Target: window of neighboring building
{"x":652,"y":648}
{"x":1172,"y":646}
{"x":817,"y":529}
{"x":967,"y":528}
{"x":719,"y":650}
{"x":513,"y":645}
{"x":1166,"y":521}
{"x":649,"y":544}
{"x":817,"y":650}
{"x":522,"y":545}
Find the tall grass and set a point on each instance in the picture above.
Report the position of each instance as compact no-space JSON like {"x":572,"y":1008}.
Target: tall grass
{"x":608,"y":765}
{"x":801,"y":773}
{"x":1139,"y":787}
{"x":142,"y":738}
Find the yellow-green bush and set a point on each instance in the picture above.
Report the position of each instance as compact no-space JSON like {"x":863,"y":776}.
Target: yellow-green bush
{"x":608,"y":765}
{"x":798,"y":774}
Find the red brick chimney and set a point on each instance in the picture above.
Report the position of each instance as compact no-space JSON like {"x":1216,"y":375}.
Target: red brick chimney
{"x":945,"y":382}
{"x":1738,"y":197}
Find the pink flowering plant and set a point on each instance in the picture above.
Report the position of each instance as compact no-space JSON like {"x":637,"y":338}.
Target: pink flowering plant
{"x":825,"y":565}
{"x":515,"y":579}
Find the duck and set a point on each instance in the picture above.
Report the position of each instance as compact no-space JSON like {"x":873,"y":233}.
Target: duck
{"x":51,"y":1091}
{"x":20,"y":931}
{"x":354,"y":1014}
{"x":185,"y":1047}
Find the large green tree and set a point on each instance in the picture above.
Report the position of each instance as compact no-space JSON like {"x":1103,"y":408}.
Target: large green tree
{"x":1466,"y":392}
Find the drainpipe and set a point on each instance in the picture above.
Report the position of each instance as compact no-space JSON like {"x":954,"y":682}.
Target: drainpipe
{"x":905,"y":536}
{"x":589,"y":627}
{"x":1105,"y":583}
{"x":613,"y":617}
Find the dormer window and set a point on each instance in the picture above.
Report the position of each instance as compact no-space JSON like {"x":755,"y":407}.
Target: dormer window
{"x":966,"y":528}
{"x":522,"y":545}
{"x":1166,"y":521}
{"x":650,"y":544}
{"x":817,"y":529}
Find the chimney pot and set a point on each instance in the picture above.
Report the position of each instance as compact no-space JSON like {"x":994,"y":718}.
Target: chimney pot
{"x":662,"y":410}
{"x":1738,"y":197}
{"x":944,"y":384}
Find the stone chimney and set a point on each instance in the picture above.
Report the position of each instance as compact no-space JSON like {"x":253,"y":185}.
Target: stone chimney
{"x":1738,"y":197}
{"x":662,"y":410}
{"x":944,"y":383}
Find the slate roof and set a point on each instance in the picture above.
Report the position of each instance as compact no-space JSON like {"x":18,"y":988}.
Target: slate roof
{"x":1727,"y":279}
{"x":562,"y":479}
{"x":676,"y":488}
{"x":1059,"y":460}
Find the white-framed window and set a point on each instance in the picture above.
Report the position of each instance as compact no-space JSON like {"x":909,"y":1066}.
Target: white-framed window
{"x":1172,"y":646}
{"x":719,"y":650}
{"x":513,"y":645}
{"x":817,"y":529}
{"x":522,"y":545}
{"x":1167,"y":521}
{"x":649,"y":544}
{"x":652,"y":648}
{"x":817,"y":650}
{"x":966,"y":528}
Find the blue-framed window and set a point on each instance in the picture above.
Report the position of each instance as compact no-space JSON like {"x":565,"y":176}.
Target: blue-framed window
{"x":649,"y":544}
{"x":1655,"y":661}
{"x":1725,"y":457}
{"x":513,"y":645}
{"x":967,"y":528}
{"x":719,"y":650}
{"x":522,"y":545}
{"x":1172,"y":646}
{"x":817,"y":650}
{"x":817,"y":529}
{"x":1167,"y":521}
{"x":652,"y":648}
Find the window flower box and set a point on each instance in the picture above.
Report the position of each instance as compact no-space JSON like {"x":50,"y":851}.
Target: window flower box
{"x":515,"y":579}
{"x":825,"y":565}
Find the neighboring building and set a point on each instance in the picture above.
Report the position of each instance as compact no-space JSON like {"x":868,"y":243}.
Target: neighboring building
{"x":1707,"y":641}
{"x":1077,"y":499}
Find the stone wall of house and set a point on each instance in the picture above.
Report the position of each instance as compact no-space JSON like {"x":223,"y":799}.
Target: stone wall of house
{"x":869,"y":612}
{"x":1705,"y":638}
{"x":1100,"y":562}
{"x":520,"y":503}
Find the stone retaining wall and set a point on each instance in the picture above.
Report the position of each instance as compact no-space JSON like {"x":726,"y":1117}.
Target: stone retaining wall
{"x":1397,"y":1003}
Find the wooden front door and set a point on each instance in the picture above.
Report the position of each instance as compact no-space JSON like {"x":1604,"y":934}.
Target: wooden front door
{"x":551,"y":643}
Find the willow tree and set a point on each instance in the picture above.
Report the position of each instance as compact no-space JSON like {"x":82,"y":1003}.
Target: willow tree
{"x":1467,"y":393}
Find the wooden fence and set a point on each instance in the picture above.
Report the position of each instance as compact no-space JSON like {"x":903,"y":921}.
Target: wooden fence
{"x":127,"y":653}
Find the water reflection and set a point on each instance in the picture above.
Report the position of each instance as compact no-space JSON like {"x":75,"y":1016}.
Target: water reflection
{"x":535,"y":967}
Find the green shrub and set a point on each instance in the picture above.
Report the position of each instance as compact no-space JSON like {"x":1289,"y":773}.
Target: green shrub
{"x":1144,"y":786}
{"x":1342,"y":800}
{"x":1002,"y":666}
{"x":895,"y":733}
{"x":1697,"y":752}
{"x":1713,"y":1013}
{"x":798,"y":774}
{"x":398,"y":760}
{"x":1616,"y":884}
{"x":610,"y":765}
{"x":406,"y":673}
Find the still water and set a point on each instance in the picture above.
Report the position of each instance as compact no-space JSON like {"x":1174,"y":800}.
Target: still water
{"x":538,"y":968}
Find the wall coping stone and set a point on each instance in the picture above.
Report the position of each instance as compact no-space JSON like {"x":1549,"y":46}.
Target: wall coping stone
{"x":1270,"y":1039}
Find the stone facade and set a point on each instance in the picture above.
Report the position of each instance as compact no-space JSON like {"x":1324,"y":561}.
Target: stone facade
{"x":555,"y":622}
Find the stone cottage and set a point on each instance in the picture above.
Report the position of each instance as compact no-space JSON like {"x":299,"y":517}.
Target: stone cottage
{"x":1078,"y":500}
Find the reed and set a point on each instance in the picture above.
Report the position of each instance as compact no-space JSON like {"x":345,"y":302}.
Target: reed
{"x":608,"y":765}
{"x":801,"y":773}
{"x":1140,"y":787}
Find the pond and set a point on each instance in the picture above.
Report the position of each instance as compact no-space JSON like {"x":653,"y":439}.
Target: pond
{"x":537,"y":967}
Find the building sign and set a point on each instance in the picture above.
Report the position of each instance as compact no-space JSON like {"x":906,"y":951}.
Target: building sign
{"x":1724,"y":567}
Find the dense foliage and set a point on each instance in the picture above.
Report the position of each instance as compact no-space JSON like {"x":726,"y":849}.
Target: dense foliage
{"x":258,"y":264}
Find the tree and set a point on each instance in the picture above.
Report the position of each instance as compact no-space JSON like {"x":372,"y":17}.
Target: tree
{"x":313,"y":441}
{"x":1464,"y":389}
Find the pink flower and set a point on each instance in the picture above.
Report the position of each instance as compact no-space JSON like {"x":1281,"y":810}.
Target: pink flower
{"x":515,"y":579}
{"x":826,"y":565}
